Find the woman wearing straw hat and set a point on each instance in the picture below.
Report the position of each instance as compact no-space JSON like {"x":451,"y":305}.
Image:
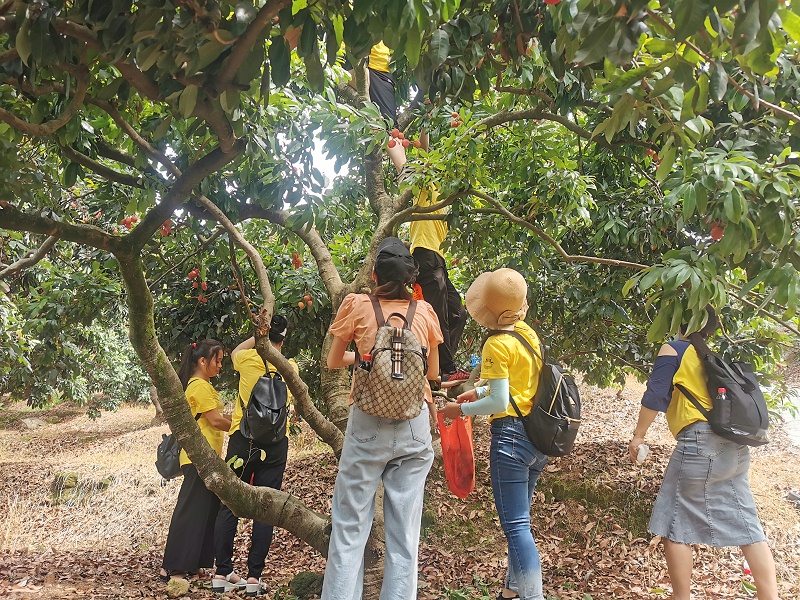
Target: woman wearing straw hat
{"x":497,"y":300}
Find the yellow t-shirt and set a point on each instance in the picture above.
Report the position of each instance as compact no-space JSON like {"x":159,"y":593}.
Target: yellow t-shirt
{"x":681,"y":412}
{"x":250,"y":367}
{"x":428,"y":234}
{"x":504,"y":357}
{"x":202,"y":397}
{"x":379,"y":57}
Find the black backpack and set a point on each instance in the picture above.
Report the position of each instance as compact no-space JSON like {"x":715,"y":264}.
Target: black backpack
{"x":264,"y":418}
{"x":168,"y":455}
{"x":743,"y":416}
{"x":552,"y":424}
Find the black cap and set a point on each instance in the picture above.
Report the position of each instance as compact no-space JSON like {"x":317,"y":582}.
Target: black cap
{"x":394,"y":262}
{"x":278,"y":327}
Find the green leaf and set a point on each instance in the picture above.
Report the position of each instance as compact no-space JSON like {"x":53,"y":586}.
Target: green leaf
{"x":413,"y":44}
{"x":439,"y":48}
{"x":660,"y":325}
{"x":279,"y":60}
{"x":689,"y":203}
{"x":689,"y":17}
{"x":298,"y":5}
{"x":596,"y":44}
{"x":23,"y":42}
{"x":238,"y":463}
{"x":263,"y":456}
{"x":791,"y":23}
{"x":187,"y":101}
{"x":628,"y":78}
{"x":667,"y":160}
{"x":719,"y":82}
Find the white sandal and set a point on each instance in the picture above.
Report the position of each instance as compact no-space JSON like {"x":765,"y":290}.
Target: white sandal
{"x":220,"y":586}
{"x":255,"y":589}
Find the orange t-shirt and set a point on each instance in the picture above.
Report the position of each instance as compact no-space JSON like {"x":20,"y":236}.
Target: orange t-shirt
{"x":356,"y":322}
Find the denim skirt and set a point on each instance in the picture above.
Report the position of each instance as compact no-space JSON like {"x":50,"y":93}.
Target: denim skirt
{"x":705,"y":497}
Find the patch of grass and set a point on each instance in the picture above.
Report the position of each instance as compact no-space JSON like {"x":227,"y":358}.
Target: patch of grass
{"x":601,"y":497}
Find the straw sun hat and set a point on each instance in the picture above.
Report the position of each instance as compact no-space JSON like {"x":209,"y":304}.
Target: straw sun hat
{"x":497,"y":299}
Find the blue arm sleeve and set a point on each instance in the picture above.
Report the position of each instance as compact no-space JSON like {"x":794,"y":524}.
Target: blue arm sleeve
{"x":659,"y":387}
{"x":496,"y":401}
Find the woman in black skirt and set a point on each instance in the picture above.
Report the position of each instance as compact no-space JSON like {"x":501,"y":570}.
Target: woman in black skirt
{"x":190,"y":541}
{"x":705,"y":497}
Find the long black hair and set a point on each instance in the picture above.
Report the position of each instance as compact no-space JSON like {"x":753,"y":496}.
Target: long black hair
{"x":193,"y":352}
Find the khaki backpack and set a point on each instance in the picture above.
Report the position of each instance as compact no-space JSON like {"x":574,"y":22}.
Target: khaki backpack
{"x":391,"y":384}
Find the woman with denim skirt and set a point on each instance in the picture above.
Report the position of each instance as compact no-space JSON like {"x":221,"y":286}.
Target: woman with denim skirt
{"x":497,"y":300}
{"x":395,"y":452}
{"x":705,"y":497}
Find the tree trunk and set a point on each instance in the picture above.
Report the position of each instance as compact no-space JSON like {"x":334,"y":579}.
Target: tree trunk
{"x":159,"y":416}
{"x":335,"y":389}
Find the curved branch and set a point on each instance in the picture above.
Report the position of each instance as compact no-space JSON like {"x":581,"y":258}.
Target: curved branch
{"x":244,"y":44}
{"x":258,"y":264}
{"x":145,"y":146}
{"x":141,"y":82}
{"x":319,"y":250}
{"x":81,"y":73}
{"x":326,"y":430}
{"x":14,"y":219}
{"x":29,"y":259}
{"x":569,"y":258}
{"x":100,"y":169}
{"x":179,"y":192}
{"x":212,"y":113}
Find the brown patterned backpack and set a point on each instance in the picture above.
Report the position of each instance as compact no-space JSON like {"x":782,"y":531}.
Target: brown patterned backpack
{"x":391,"y":383}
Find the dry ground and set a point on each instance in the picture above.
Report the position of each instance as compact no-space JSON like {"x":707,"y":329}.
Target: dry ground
{"x":590,"y":513}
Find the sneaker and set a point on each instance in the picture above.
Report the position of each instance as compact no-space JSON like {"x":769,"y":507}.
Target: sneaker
{"x":457,"y":375}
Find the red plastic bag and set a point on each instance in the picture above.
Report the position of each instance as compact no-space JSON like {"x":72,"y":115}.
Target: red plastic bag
{"x":458,"y":454}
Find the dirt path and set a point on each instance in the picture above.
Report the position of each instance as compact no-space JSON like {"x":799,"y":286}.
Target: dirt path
{"x":590,"y":513}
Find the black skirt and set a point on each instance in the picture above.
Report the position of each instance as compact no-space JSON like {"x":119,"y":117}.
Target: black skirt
{"x":190,"y":541}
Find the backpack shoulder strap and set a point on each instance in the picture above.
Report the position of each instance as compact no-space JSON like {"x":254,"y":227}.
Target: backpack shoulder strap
{"x":376,"y":306}
{"x":519,"y":337}
{"x":412,"y":310}
{"x":690,"y":397}
{"x":700,"y":345}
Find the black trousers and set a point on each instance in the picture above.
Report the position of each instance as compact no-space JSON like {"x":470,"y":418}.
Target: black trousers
{"x":440,"y":293}
{"x":190,"y":541}
{"x":381,"y":92}
{"x":266,"y":473}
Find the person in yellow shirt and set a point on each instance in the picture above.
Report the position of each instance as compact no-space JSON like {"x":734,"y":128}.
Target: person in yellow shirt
{"x":705,"y":497}
{"x":437,"y":289}
{"x":497,"y":300}
{"x":255,"y":470}
{"x":190,"y":541}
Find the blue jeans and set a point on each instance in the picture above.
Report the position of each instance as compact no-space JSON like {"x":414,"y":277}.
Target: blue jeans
{"x":398,"y":453}
{"x":516,"y":465}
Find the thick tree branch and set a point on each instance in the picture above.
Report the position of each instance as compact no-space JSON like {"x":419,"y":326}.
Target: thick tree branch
{"x":141,"y":82}
{"x":100,"y":169}
{"x":179,"y":192}
{"x":244,"y":44}
{"x":49,"y":127}
{"x":29,"y":259}
{"x":16,"y":220}
{"x":569,"y":258}
{"x":212,"y":113}
{"x":145,"y":146}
